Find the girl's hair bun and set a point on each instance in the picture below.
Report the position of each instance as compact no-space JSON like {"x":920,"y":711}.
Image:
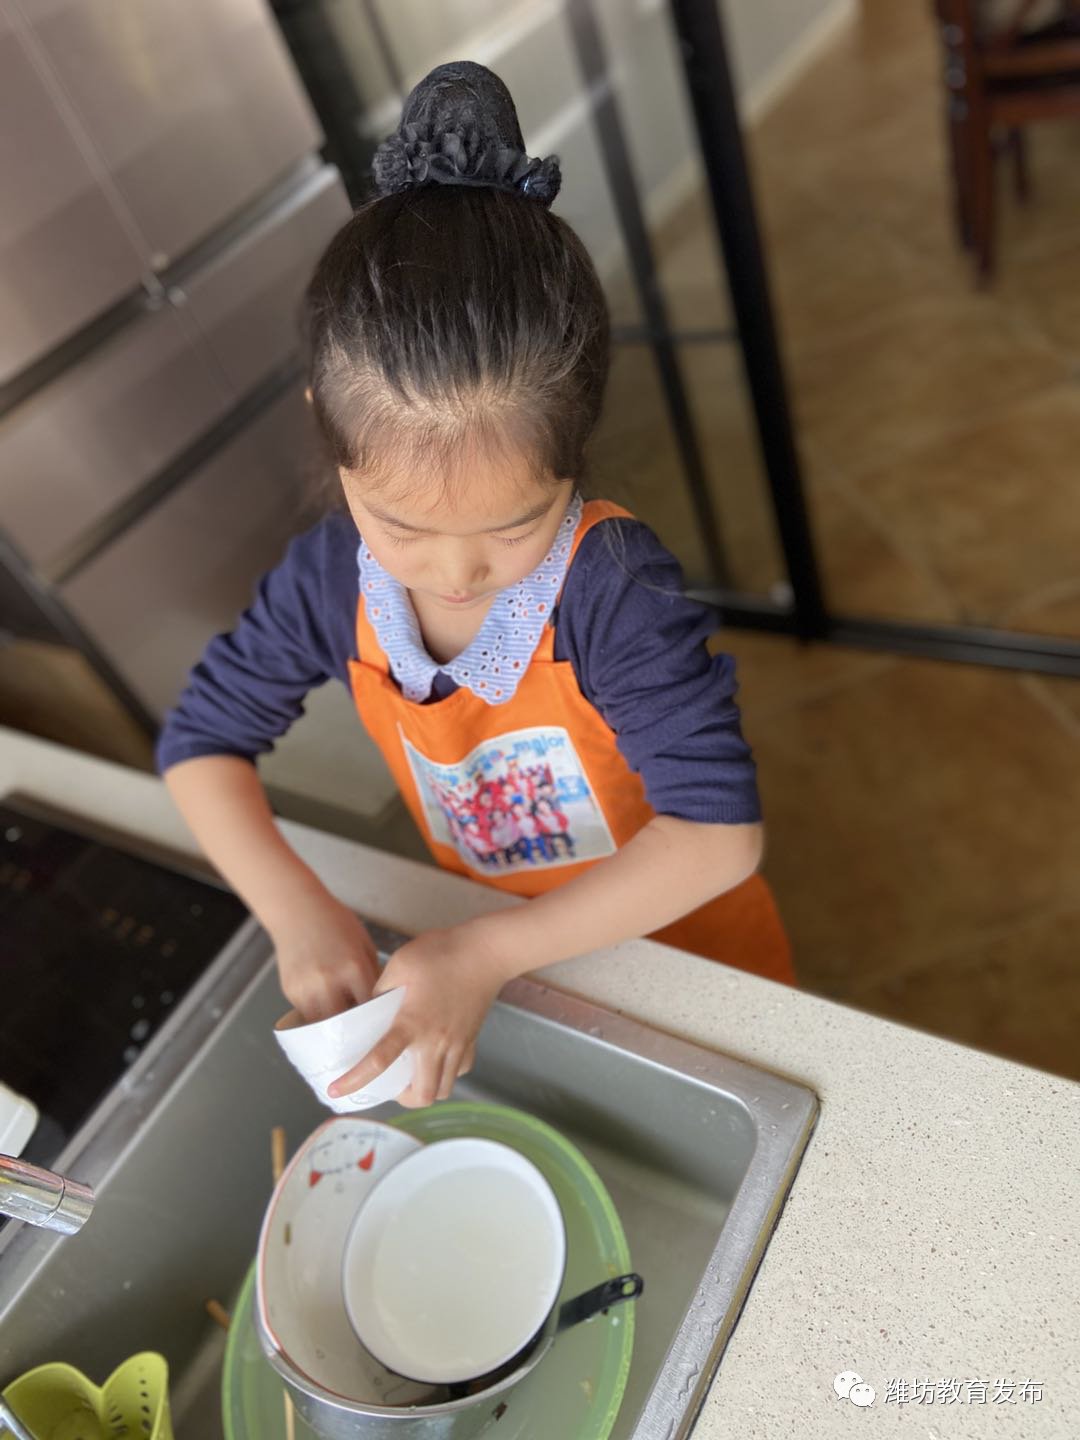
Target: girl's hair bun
{"x":460,"y":127}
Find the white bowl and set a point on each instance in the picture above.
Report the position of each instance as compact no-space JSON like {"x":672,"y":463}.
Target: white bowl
{"x":454,"y":1261}
{"x":301,"y":1249}
{"x":325,"y":1049}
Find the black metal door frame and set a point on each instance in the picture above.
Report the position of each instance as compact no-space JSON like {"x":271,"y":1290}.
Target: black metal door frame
{"x":707,"y":73}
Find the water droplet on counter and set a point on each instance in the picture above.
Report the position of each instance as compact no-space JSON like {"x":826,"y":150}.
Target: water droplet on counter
{"x":691,"y":1371}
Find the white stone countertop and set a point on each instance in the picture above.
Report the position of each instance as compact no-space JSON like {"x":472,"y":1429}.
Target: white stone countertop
{"x":932,"y":1231}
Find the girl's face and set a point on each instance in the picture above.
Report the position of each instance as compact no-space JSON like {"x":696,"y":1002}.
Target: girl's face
{"x":460,"y":542}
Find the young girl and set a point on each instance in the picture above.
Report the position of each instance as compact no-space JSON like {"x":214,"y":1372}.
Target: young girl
{"x":497,"y":632}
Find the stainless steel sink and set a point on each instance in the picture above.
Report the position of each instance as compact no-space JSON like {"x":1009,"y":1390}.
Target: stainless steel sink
{"x":697,"y":1149}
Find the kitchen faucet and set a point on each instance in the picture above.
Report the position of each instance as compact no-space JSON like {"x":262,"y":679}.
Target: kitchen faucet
{"x":41,"y":1197}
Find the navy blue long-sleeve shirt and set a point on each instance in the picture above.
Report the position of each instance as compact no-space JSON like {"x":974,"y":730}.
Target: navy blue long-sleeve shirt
{"x":636,"y":643}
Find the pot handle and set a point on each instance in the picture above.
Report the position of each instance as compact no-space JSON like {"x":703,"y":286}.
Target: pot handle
{"x":602,"y":1297}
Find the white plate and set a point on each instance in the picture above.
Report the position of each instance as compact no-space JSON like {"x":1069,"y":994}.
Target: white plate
{"x":454,"y":1260}
{"x":301,"y":1250}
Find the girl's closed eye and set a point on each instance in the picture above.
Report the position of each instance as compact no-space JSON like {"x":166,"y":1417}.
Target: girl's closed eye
{"x":517,"y":539}
{"x":397,"y":538}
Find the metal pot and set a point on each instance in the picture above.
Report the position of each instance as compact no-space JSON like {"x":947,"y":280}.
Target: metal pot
{"x":448,"y":1414}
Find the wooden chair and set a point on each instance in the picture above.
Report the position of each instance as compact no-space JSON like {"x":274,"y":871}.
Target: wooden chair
{"x":997,"y":80}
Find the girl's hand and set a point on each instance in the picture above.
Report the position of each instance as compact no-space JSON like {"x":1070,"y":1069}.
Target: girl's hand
{"x":450,"y":980}
{"x":326,"y":959}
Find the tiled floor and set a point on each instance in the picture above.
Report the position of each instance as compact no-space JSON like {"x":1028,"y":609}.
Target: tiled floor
{"x":922,"y":817}
{"x":923,"y":833}
{"x":947,"y":416}
{"x":923,"y":840}
{"x":924,"y":843}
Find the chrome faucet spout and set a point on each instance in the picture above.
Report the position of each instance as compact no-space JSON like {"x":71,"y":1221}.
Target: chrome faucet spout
{"x":41,"y":1197}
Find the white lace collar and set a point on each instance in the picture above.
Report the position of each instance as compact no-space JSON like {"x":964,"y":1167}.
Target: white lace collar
{"x":494,"y":661}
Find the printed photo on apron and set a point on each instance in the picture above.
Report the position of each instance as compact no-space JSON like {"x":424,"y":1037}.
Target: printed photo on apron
{"x":517,"y":801}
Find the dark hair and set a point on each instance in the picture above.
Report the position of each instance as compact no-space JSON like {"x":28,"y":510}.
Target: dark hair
{"x":446,"y":314}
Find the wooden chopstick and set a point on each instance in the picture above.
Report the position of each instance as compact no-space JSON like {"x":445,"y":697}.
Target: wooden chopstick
{"x":218,"y":1314}
{"x":277,"y":1151}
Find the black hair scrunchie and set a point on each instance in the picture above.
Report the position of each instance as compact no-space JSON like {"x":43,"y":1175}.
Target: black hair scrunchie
{"x":460,"y":127}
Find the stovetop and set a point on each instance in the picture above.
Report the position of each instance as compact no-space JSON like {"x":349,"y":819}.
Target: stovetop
{"x":98,"y":944}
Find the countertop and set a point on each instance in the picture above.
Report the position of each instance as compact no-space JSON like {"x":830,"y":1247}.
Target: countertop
{"x":931,"y":1233}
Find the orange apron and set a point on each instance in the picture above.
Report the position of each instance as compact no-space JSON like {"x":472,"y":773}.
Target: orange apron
{"x":526,"y":794}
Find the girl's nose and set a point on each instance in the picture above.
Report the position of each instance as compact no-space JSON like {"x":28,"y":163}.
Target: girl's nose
{"x":464,"y":572}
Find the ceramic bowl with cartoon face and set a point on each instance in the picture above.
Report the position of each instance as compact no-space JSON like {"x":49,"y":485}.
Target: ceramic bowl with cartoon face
{"x":299,"y":1304}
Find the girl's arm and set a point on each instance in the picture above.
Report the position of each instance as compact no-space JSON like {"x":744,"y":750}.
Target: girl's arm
{"x":326,"y":958}
{"x":668,"y":869}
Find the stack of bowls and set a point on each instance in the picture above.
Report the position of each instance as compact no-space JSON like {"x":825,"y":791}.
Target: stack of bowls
{"x":372,"y":1237}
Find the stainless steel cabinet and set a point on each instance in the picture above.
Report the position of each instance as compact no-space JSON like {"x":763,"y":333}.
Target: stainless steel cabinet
{"x":145,"y":137}
{"x":154,"y":598}
{"x":65,"y":256}
{"x":86,"y":442}
{"x":246,"y":301}
{"x":193,"y":105}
